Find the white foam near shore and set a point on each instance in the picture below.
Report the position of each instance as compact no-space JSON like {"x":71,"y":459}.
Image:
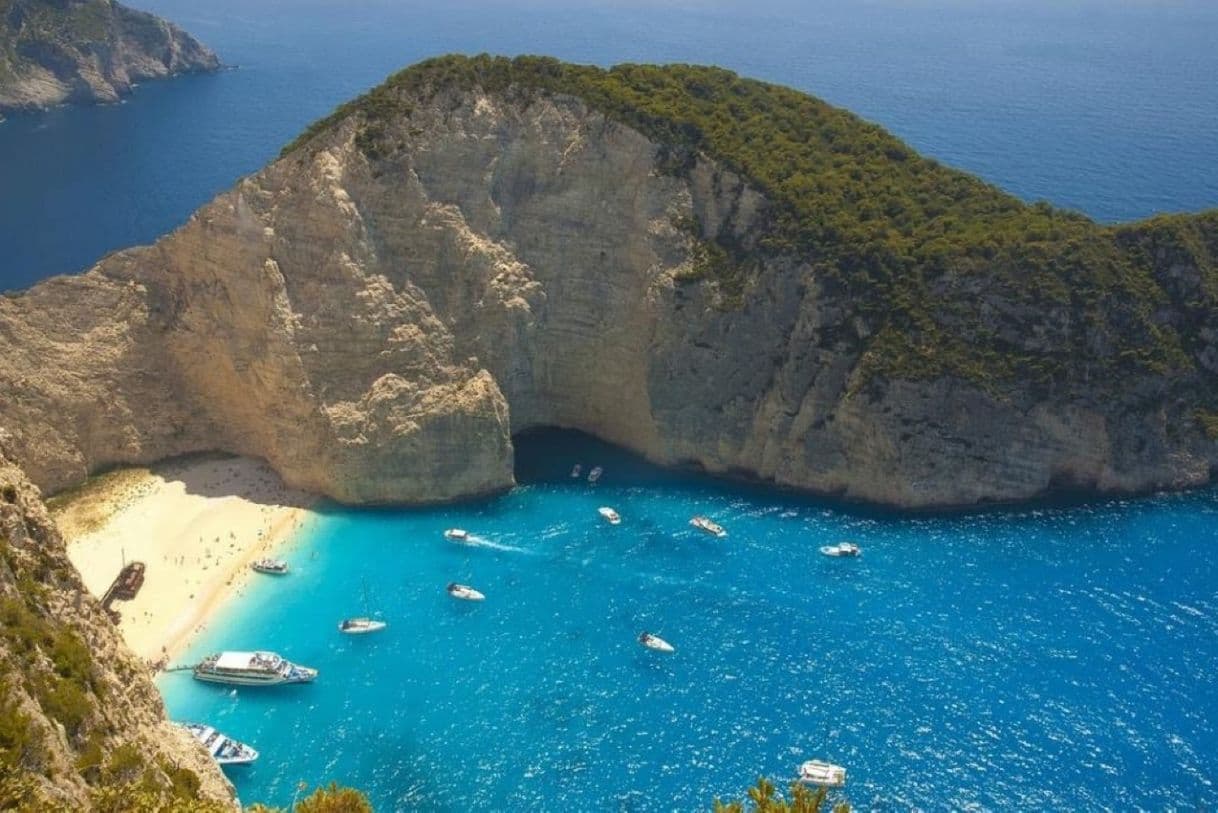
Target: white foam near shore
{"x":196,"y":524}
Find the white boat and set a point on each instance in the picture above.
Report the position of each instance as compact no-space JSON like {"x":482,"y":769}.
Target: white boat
{"x":825,"y":774}
{"x":360,"y":626}
{"x":656,"y":642}
{"x":611,"y":516}
{"x":464,"y":592}
{"x":252,"y":669}
{"x":275,"y":567}
{"x":841,"y":549}
{"x":706,"y":526}
{"x":363,"y":624}
{"x":224,"y":750}
{"x":457,"y":535}
{"x":576,"y":470}
{"x":595,"y":474}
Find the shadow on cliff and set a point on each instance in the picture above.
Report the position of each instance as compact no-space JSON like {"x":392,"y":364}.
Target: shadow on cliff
{"x":218,"y":475}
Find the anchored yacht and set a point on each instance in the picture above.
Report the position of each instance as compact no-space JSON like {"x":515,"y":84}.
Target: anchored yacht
{"x":825,"y":774}
{"x":275,"y":567}
{"x":706,"y":526}
{"x":656,"y":642}
{"x":464,"y":592}
{"x":611,"y":516}
{"x":841,"y":549}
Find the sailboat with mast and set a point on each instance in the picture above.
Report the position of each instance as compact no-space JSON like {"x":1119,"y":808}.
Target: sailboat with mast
{"x":364,"y":624}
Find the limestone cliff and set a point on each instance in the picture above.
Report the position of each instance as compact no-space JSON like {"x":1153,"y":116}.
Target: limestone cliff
{"x":483,"y":246}
{"x":81,"y":724}
{"x":54,"y":51}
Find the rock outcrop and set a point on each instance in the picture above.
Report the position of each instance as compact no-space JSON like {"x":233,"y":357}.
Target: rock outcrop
{"x":55,"y":51}
{"x":448,"y":262}
{"x":81,"y":723}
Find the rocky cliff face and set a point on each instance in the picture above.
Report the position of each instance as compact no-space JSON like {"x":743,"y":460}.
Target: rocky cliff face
{"x":81,"y":724}
{"x":54,"y":51}
{"x":377,"y":312}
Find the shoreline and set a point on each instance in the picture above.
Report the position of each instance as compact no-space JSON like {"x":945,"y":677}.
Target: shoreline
{"x":196,"y":523}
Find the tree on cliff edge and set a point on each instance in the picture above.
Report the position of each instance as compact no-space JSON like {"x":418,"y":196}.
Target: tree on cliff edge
{"x":764,"y":798}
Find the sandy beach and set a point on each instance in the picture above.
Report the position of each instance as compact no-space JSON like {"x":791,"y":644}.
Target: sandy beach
{"x":195,"y":523}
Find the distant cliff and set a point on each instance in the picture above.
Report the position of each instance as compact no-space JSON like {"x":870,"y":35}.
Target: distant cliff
{"x":81,"y":724}
{"x":54,"y":51}
{"x":708,"y":270}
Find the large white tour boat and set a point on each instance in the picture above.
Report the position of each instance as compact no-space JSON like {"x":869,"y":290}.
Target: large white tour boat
{"x":825,"y":774}
{"x":706,"y":526}
{"x":252,"y":669}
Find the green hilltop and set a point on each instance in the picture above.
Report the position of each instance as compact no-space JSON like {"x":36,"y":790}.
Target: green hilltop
{"x":951,"y":275}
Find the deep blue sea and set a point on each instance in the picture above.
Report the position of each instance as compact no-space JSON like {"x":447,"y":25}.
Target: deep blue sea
{"x":1107,"y":106}
{"x":1055,"y":657}
{"x":1051,"y":658}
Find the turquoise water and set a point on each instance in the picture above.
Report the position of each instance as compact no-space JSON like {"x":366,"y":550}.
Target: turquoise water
{"x":1107,"y":107}
{"x":1061,"y":657}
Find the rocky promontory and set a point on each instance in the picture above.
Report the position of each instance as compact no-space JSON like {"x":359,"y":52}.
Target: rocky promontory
{"x":82,"y":727}
{"x":708,"y":270}
{"x":54,"y":51}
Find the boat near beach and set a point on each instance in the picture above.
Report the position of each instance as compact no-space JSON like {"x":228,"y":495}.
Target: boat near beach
{"x":841,"y":549}
{"x":224,"y":750}
{"x":706,"y":526}
{"x":252,"y":669}
{"x":824,"y":774}
{"x":274,"y":567}
{"x":464,"y":592}
{"x":611,"y":516}
{"x":456,"y":535}
{"x":656,"y":642}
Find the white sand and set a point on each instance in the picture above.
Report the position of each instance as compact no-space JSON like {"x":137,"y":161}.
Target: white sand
{"x":196,"y":524}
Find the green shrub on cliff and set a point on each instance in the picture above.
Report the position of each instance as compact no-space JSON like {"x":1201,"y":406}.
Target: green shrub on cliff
{"x":764,"y":798}
{"x":945,"y":271}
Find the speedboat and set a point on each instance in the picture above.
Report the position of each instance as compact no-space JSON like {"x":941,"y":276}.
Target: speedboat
{"x":611,"y":516}
{"x":595,"y":474}
{"x":224,"y":750}
{"x":457,"y":535}
{"x":705,"y":525}
{"x":841,"y":549}
{"x":656,"y":642}
{"x":252,"y":669}
{"x":360,"y":626}
{"x":275,"y":567}
{"x":575,"y":471}
{"x":464,"y":592}
{"x":825,"y":774}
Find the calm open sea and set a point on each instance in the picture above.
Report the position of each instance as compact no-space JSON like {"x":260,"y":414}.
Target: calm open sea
{"x":1052,"y":658}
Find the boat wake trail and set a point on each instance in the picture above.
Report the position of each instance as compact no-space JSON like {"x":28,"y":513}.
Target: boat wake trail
{"x":482,"y":542}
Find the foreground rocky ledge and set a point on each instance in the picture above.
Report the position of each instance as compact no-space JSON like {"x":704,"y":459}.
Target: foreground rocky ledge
{"x":87,"y":51}
{"x":453,"y":259}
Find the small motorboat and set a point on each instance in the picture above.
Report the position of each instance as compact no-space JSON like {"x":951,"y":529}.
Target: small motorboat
{"x":464,"y":592}
{"x":611,"y":516}
{"x":841,"y":549}
{"x":275,"y":567}
{"x":656,"y":642}
{"x":224,"y":750}
{"x":824,"y":774}
{"x":595,"y":474}
{"x":576,"y":470}
{"x":360,"y":626}
{"x":706,"y":526}
{"x":457,"y":535}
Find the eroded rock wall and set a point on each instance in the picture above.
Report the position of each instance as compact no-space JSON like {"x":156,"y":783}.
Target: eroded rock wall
{"x":378,"y":327}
